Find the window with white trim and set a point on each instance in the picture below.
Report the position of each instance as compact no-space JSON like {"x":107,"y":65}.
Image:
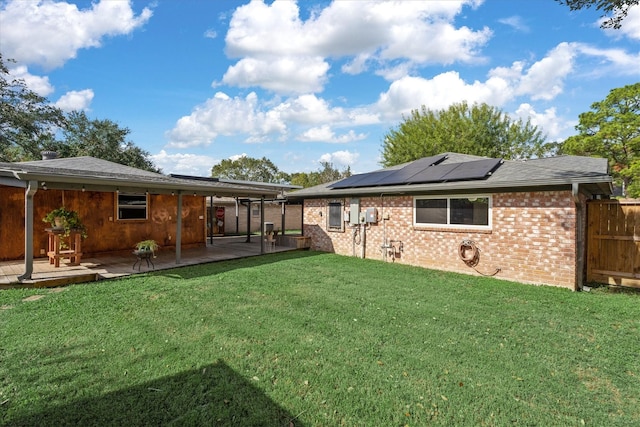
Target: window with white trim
{"x":469,"y":211}
{"x":132,"y":206}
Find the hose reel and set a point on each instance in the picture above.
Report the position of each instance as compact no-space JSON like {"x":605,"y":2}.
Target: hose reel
{"x":469,"y":253}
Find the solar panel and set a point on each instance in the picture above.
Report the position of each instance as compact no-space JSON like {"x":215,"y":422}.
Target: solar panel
{"x":424,"y":170}
{"x":361,"y":180}
{"x":401,"y":176}
{"x":472,"y":170}
{"x":432,"y":174}
{"x":388,"y":177}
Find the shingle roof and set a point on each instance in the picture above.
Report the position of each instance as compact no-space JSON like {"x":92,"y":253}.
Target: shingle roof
{"x":102,"y":175}
{"x":510,"y":176}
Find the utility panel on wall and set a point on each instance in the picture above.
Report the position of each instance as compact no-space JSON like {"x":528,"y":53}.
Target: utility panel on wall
{"x":354,"y":211}
{"x":371,"y":215}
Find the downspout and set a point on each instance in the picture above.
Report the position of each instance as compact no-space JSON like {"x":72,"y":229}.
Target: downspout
{"x":31,"y":190}
{"x":179,"y":229}
{"x":580,"y":245}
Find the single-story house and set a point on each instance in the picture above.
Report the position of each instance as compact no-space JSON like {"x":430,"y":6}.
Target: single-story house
{"x":517,"y":220}
{"x":119,"y":205}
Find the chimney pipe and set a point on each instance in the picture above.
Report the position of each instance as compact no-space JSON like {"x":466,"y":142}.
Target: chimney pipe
{"x":49,"y":155}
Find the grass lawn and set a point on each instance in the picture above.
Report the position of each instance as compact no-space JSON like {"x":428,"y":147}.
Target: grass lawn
{"x":311,"y":339}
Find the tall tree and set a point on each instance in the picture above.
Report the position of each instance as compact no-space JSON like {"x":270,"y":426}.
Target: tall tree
{"x":27,"y":121}
{"x":612,"y":130}
{"x":479,"y":130}
{"x":249,"y":169}
{"x":102,"y":139}
{"x":326,"y":173}
{"x":618,"y":8}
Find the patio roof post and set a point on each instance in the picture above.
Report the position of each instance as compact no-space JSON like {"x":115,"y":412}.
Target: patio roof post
{"x":237,"y":217}
{"x":31,"y":190}
{"x":283,"y":216}
{"x":261,"y":225}
{"x":179,"y":229}
{"x":248,"y":221}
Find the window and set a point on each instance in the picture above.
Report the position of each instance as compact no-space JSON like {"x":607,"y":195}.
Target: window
{"x":334,"y":218}
{"x":132,"y":206}
{"x":455,"y":211}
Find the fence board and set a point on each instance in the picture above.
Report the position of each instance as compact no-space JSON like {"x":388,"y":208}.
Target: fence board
{"x":613,"y":242}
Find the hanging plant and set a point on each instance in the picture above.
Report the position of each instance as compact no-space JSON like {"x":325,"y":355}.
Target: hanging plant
{"x":67,"y":220}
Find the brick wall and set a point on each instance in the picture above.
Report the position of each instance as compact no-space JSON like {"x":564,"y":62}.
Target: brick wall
{"x":532,"y":238}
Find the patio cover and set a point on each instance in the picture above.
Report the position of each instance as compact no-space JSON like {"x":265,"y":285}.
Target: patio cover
{"x":92,"y":174}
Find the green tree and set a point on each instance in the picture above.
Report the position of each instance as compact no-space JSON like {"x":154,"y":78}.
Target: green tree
{"x":326,"y":173}
{"x":102,"y":139}
{"x":617,"y":8}
{"x":479,"y":130}
{"x":249,"y":169}
{"x":612,"y":130}
{"x":27,"y":121}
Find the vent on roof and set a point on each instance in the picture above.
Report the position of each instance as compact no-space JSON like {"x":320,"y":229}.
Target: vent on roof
{"x":49,"y":155}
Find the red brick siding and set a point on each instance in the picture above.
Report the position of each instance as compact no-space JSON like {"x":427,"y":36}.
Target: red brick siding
{"x":532,"y":239}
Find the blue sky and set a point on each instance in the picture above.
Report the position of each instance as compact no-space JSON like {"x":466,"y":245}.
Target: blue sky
{"x":200,"y":81}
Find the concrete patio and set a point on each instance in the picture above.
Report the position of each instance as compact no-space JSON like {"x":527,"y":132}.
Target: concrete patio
{"x":110,"y":266}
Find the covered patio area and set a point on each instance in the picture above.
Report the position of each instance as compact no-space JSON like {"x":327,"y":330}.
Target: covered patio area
{"x":121,"y":264}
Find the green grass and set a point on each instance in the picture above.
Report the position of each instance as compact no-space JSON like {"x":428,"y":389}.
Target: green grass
{"x":309,"y":339}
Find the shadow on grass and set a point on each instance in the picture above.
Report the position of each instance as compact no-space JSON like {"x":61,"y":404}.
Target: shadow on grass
{"x":211,"y":395}
{"x":217,"y":267}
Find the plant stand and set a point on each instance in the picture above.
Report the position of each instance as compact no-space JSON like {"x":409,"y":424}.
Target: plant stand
{"x":143,"y":255}
{"x":55,"y":252}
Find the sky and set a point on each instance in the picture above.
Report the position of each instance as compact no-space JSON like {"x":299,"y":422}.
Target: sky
{"x":300,"y":83}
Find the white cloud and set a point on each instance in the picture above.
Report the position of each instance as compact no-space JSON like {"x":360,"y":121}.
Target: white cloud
{"x":611,"y":61}
{"x":410,"y":93}
{"x":39,"y":85}
{"x":324,"y":133}
{"x":75,"y":100}
{"x":49,"y":33}
{"x":184,"y":163}
{"x":516,"y":23}
{"x":211,"y":34}
{"x":309,"y":109}
{"x":545,"y":78}
{"x":548,"y":122}
{"x":394,"y":35}
{"x":237,"y":157}
{"x":223,"y":115}
{"x":341,"y":158}
{"x":280,"y":75}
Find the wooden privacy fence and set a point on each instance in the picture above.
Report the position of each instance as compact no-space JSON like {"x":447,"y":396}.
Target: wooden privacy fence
{"x":613,"y":242}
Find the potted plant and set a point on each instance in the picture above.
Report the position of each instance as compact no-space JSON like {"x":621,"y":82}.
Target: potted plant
{"x":67,"y":220}
{"x":147,"y":247}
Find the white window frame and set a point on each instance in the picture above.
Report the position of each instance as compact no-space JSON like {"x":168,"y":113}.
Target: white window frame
{"x":133,"y":206}
{"x":448,"y":224}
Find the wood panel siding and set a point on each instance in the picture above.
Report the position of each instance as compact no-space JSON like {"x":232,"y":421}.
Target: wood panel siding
{"x":98,"y":212}
{"x":613,"y":246}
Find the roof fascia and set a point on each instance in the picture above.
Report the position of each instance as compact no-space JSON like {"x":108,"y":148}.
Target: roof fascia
{"x":137,"y":185}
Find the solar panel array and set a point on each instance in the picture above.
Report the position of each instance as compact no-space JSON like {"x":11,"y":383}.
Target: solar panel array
{"x":423,"y":171}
